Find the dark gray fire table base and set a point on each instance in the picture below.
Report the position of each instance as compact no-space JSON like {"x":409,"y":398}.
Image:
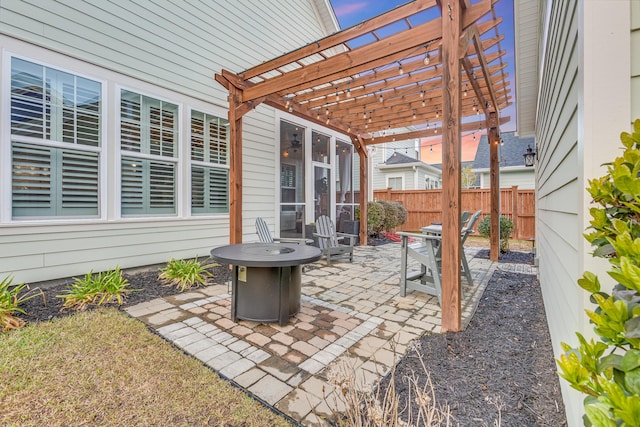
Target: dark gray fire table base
{"x":266,"y":279}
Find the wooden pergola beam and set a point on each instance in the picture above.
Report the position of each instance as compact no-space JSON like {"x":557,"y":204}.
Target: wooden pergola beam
{"x":341,"y":37}
{"x":465,"y":127}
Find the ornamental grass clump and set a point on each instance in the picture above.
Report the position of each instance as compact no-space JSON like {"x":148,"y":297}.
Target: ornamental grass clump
{"x":96,"y":289}
{"x":10,"y":300}
{"x":608,"y":370}
{"x":185,"y":274}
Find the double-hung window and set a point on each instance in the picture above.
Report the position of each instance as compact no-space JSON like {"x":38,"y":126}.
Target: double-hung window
{"x":149,"y":147}
{"x":209,"y":164}
{"x":55,"y":142}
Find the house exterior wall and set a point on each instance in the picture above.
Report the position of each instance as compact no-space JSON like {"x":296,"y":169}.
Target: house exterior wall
{"x":169,"y":51}
{"x":524,"y":179}
{"x":583,"y":105}
{"x":635,"y":58}
{"x":379,"y":154}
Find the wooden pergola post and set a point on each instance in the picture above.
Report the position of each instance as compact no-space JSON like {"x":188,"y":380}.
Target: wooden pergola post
{"x":451,"y":168}
{"x":494,"y":178}
{"x":235,"y":170}
{"x":364,"y":193}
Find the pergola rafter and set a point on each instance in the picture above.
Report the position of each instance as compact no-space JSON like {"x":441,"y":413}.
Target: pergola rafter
{"x":397,"y":76}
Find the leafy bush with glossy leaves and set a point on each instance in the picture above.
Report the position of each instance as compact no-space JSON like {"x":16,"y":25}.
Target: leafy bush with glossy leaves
{"x":608,"y":370}
{"x":506,"y":228}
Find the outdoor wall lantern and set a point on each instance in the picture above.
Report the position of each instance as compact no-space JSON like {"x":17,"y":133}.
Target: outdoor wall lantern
{"x":529,"y":156}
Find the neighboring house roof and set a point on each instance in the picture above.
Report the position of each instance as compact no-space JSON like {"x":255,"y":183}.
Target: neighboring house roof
{"x":399,"y":160}
{"x":463,"y":164}
{"x":511,"y":152}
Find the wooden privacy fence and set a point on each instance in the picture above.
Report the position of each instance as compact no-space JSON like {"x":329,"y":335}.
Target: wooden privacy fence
{"x":425,"y":206}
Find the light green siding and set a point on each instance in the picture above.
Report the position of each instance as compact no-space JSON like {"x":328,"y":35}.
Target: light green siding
{"x":635,"y":60}
{"x":583,"y":104}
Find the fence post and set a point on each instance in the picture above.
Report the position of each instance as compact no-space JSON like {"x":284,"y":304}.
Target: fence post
{"x":514,"y":211}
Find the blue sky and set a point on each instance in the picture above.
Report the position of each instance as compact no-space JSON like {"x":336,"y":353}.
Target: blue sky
{"x":352,"y":12}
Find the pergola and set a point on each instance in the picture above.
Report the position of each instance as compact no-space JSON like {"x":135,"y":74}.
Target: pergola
{"x":426,"y":67}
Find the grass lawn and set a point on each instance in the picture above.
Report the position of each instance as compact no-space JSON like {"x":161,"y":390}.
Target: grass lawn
{"x":104,"y":368}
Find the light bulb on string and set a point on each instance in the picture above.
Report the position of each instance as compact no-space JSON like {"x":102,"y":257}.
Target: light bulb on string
{"x":400,"y":70}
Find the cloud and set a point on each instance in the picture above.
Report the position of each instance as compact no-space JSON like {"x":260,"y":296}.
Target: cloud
{"x":350,"y":8}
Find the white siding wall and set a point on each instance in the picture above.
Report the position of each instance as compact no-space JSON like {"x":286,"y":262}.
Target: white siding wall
{"x":583,"y":105}
{"x":171,"y":49}
{"x":524,"y":179}
{"x":635,"y":60}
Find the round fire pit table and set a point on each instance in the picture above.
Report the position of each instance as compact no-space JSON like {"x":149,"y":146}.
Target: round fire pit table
{"x":266,"y":279}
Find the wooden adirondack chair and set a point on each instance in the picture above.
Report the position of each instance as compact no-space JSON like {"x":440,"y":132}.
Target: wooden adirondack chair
{"x":329,"y":240}
{"x":264,"y":235}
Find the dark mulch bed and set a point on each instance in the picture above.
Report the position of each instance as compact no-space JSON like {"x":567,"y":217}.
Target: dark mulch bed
{"x":501,"y":366}
{"x":145,"y":284}
{"x":510,"y":257}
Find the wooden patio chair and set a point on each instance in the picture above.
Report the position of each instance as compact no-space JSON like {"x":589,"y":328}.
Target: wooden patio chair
{"x":264,"y":235}
{"x":329,"y":240}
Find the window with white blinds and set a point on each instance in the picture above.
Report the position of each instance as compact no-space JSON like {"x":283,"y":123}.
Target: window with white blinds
{"x":55,"y":142}
{"x":149,"y":146}
{"x":209,"y":164}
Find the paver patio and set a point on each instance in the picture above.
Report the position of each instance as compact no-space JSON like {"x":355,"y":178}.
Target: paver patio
{"x":352,"y":317}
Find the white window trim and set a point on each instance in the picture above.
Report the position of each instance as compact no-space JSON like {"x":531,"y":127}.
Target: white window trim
{"x":5,"y":143}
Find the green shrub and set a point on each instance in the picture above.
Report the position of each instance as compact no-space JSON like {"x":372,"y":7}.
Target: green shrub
{"x":390,"y":215}
{"x":608,"y":370}
{"x":185,"y":274}
{"x":506,"y":228}
{"x":375,"y":218}
{"x":10,"y":300}
{"x":96,"y":289}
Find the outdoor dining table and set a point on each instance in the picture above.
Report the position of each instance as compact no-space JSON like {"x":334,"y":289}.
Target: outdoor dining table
{"x":266,"y":279}
{"x":433,"y":229}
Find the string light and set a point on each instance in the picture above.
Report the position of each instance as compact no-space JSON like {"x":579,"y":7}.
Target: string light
{"x":364,"y":112}
{"x":349,"y":128}
{"x":431,"y":148}
{"x":400,"y":70}
{"x":381,"y":99}
{"x":423,"y":103}
{"x":421,"y":94}
{"x":426,"y":58}
{"x":337,"y":95}
{"x":437,"y":113}
{"x":414,"y":114}
{"x":465,"y":89}
{"x":348,"y":91}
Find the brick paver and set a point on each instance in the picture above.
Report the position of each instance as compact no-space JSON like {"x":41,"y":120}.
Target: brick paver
{"x":351,"y":315}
